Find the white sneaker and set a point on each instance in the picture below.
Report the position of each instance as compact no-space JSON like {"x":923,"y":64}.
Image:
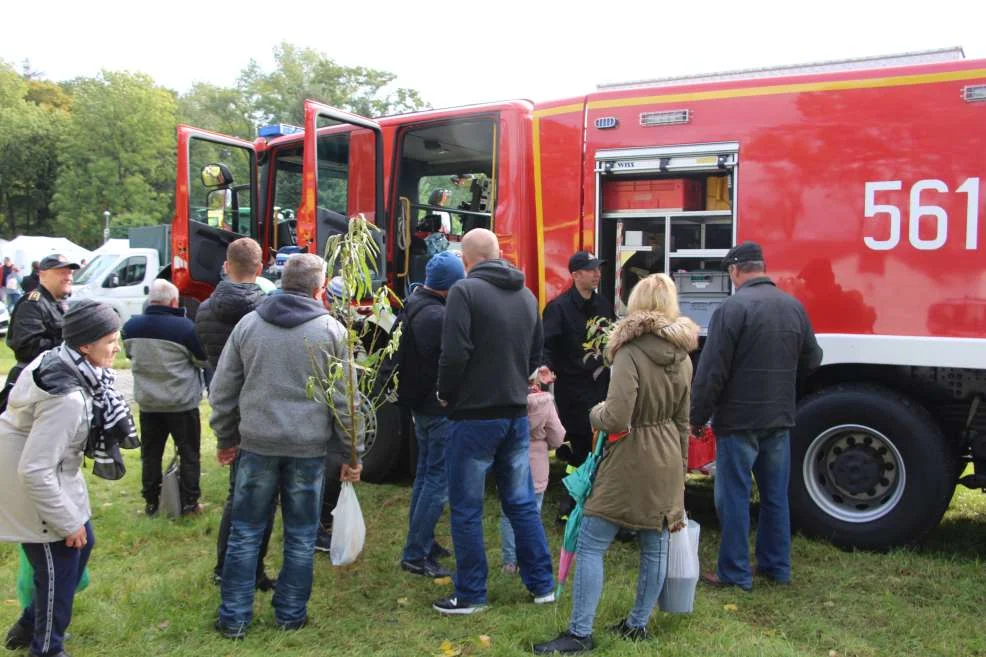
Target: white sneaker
{"x":545,"y":599}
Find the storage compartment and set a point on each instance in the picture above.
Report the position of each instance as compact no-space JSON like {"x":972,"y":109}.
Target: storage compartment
{"x":686,"y":236}
{"x":702,"y":282}
{"x":667,"y":194}
{"x":719,"y":236}
{"x":700,"y":309}
{"x":717,"y":195}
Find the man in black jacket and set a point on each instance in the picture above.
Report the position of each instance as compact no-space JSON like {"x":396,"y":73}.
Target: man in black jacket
{"x":233,"y":298}
{"x":581,"y":382}
{"x":760,"y":342}
{"x":36,"y":323}
{"x":491,"y":344}
{"x":421,"y":346}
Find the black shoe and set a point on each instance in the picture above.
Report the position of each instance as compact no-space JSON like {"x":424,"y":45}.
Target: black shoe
{"x":629,"y":632}
{"x":151,"y":509}
{"x":438,"y":552}
{"x":61,"y":654}
{"x":192,"y":509}
{"x":18,"y":637}
{"x":265,"y":583}
{"x":291,"y":627}
{"x":565,"y":507}
{"x":425,"y":567}
{"x":323,"y":541}
{"x":566,"y":644}
{"x":452,"y":606}
{"x":217,"y":578}
{"x":229,"y":632}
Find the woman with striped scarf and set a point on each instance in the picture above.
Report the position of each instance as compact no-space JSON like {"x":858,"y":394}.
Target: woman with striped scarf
{"x":62,"y":409}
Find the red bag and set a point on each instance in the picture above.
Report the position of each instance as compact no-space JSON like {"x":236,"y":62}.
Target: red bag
{"x":702,"y":451}
{"x":613,"y":437}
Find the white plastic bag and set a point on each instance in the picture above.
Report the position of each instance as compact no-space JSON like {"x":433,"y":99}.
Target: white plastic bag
{"x":348,"y":528}
{"x":678,"y":594}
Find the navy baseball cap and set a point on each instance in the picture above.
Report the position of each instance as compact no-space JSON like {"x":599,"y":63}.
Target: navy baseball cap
{"x":584,"y":260}
{"x":56,"y":261}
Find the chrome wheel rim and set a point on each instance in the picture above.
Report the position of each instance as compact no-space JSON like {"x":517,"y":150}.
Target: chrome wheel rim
{"x":854,"y":473}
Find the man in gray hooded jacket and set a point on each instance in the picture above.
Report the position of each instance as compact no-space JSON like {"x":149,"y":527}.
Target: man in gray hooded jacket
{"x":261,"y":412}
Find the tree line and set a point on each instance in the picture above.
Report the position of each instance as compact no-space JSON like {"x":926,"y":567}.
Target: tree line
{"x":69,"y":150}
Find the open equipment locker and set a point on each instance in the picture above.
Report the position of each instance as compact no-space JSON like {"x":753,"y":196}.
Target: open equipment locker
{"x":689,"y":244}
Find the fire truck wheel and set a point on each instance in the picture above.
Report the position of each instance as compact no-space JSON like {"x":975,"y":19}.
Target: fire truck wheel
{"x":383,"y":444}
{"x":870,"y":468}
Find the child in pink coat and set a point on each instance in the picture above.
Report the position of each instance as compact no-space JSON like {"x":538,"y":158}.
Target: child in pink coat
{"x":547,"y":433}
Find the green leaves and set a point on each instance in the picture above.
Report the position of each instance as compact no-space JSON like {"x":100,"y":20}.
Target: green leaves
{"x":300,"y":73}
{"x":352,"y":383}
{"x":118,"y":154}
{"x":597,"y":331}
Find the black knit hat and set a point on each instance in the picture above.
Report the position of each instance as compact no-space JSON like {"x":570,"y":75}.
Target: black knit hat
{"x":87,"y":321}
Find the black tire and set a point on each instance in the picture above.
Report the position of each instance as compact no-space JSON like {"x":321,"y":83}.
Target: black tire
{"x":383,"y":450}
{"x":870,"y":468}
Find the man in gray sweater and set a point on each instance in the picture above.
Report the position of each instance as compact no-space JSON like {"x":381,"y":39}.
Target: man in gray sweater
{"x":261,"y":412}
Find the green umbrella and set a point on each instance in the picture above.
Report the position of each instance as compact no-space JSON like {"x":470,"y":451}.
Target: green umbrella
{"x":579,"y":485}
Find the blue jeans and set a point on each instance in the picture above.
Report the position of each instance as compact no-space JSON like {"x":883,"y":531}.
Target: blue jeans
{"x":258,"y":481}
{"x":595,"y":536}
{"x":767,"y":455}
{"x":430,"y":492}
{"x":474,"y":447}
{"x":508,"y":542}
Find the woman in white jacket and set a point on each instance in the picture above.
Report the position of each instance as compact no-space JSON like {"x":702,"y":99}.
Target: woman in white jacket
{"x":62,"y":408}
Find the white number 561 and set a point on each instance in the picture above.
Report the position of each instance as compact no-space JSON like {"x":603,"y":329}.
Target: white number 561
{"x":919,"y":215}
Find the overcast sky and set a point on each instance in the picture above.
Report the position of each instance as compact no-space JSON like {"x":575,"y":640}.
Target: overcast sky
{"x":458,"y":53}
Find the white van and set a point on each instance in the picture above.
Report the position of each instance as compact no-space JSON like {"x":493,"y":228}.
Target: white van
{"x":121,"y":280}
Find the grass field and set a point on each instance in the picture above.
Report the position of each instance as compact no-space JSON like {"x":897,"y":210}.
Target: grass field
{"x":151,"y":592}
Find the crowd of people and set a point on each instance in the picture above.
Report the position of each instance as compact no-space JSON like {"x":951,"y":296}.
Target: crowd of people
{"x":492,"y":390}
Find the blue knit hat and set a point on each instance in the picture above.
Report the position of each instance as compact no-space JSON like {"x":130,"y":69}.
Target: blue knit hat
{"x":443,"y":270}
{"x":337,"y":288}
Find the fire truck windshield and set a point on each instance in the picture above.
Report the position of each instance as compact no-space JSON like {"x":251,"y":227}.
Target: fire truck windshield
{"x":333,"y":183}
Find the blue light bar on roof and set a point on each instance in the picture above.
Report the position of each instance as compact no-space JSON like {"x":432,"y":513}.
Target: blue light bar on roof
{"x":277,"y":130}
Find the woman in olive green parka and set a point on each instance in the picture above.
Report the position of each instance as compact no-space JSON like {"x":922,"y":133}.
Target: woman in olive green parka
{"x":640,"y":482}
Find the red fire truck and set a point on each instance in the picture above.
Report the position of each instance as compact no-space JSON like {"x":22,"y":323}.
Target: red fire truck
{"x":863,"y":181}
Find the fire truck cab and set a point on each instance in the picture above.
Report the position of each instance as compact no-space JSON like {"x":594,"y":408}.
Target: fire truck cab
{"x":861,"y":180}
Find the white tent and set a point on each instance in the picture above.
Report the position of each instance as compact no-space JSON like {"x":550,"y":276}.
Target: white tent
{"x":25,"y":249}
{"x":116,"y":245}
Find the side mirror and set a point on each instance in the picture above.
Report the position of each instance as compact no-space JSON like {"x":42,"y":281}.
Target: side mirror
{"x":216,"y":175}
{"x":113,"y":280}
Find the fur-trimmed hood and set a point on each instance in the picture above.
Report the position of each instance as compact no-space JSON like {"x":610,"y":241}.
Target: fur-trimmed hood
{"x":681,"y":333}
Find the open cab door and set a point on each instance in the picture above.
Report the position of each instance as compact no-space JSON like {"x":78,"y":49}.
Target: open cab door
{"x":215,"y":203}
{"x":343,"y":176}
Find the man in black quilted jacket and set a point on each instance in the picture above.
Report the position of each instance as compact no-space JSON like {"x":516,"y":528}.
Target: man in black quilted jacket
{"x":234,"y":297}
